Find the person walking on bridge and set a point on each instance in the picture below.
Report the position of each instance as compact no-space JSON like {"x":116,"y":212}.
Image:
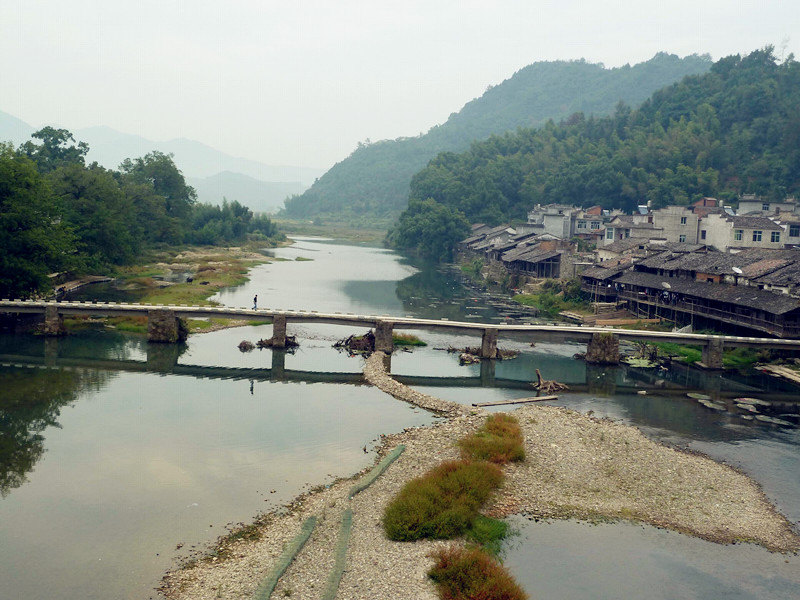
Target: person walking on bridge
{"x":255,"y":302}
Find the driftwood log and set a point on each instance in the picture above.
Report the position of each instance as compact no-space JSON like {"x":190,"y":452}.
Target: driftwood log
{"x":358,"y":344}
{"x":548,"y":386}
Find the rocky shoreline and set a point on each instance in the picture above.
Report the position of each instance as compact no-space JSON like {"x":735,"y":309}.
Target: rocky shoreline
{"x":577,"y":467}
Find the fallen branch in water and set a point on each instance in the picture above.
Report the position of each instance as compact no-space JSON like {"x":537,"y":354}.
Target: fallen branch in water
{"x":548,"y":386}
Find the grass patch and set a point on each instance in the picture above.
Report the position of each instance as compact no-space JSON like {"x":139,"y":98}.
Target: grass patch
{"x":743,"y":358}
{"x":499,"y":441}
{"x":443,"y":503}
{"x":407,"y":339}
{"x":688,"y":354}
{"x":471,"y":574}
{"x":548,"y":303}
{"x":303,"y":259}
{"x":76,"y":323}
{"x":129,"y":324}
{"x":488,"y":533}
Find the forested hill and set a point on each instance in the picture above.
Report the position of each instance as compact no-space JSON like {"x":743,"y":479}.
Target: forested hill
{"x":733,"y":130}
{"x":373,"y":182}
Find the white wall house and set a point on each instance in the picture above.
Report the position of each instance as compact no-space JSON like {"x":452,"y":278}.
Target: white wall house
{"x":731,"y":233}
{"x":628,"y":226}
{"x":750,"y":203}
{"x":678,"y":224}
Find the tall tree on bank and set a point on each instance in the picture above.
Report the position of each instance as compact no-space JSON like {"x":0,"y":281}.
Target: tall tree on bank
{"x":33,"y":239}
{"x":174,"y":199}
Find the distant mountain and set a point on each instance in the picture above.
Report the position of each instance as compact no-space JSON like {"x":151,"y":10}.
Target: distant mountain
{"x":212,"y":173}
{"x":13,"y":129}
{"x":260,"y":196}
{"x":195,"y":159}
{"x":373,"y":182}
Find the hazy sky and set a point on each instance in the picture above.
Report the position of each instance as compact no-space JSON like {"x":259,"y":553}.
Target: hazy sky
{"x":302,"y":82}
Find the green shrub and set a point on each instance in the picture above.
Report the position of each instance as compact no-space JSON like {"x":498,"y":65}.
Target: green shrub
{"x":407,"y":339}
{"x":488,"y":533}
{"x":498,"y":441}
{"x":443,"y":503}
{"x":471,"y":574}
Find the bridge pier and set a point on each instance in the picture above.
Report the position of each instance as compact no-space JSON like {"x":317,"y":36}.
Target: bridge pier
{"x":487,"y":373}
{"x":51,"y":351}
{"x":489,"y":343}
{"x":53,"y":322}
{"x":279,"y":332}
{"x":603,"y":349}
{"x":278,"y":364}
{"x":712,"y":354}
{"x":164,"y":327}
{"x":162,"y":358}
{"x":383,"y":337}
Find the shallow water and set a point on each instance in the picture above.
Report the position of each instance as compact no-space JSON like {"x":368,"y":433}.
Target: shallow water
{"x":115,"y":451}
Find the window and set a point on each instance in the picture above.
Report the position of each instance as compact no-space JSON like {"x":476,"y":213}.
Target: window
{"x":683,"y":220}
{"x":776,"y":236}
{"x":765,"y":206}
{"x":627,"y":233}
{"x":702,"y":234}
{"x":794,"y":230}
{"x":610,"y":233}
{"x":595,"y":225}
{"x":756,"y":236}
{"x":682,"y":239}
{"x":581,"y":224}
{"x":737,"y":234}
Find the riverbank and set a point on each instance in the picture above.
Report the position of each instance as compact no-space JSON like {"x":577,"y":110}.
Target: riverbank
{"x":188,"y":276}
{"x":577,"y":467}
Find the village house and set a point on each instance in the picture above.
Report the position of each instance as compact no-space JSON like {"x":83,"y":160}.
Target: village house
{"x":757,"y":289}
{"x":623,"y":227}
{"x":678,"y":224}
{"x":729,"y":233}
{"x":751,"y":204}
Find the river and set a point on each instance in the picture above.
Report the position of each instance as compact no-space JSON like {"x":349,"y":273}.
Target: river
{"x":112,"y":457}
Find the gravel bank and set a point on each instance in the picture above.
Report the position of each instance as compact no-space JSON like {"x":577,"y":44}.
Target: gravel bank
{"x":581,"y":467}
{"x":576,"y":466}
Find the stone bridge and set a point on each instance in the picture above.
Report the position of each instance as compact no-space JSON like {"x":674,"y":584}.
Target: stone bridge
{"x":602,"y":342}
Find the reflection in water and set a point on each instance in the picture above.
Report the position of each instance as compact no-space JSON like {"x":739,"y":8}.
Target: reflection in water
{"x":565,"y":560}
{"x":30,"y":403}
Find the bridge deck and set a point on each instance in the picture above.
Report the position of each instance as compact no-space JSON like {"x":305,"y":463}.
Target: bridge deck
{"x":558,"y":332}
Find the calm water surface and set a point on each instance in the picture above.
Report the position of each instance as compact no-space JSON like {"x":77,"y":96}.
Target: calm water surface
{"x":115,"y":451}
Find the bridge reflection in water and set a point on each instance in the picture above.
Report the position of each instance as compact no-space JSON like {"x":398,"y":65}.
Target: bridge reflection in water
{"x":598,"y":380}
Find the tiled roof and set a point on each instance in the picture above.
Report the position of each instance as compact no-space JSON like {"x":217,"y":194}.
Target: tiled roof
{"x":744,"y":222}
{"x":721,"y":263}
{"x":602,"y":273}
{"x":751,"y":297}
{"x":622,"y":245}
{"x":532,"y":255}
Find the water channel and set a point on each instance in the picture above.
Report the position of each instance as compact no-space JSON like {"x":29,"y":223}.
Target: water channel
{"x":114,"y":452}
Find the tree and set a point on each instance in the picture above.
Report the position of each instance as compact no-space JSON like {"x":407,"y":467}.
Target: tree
{"x":33,"y":239}
{"x":57,"y":149}
{"x":429,"y":229}
{"x":173,"y":200}
{"x":99,"y":213}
